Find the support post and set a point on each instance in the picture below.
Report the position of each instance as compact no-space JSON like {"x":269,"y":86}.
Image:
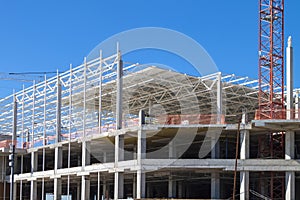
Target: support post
{"x":119,"y":139}
{"x":289,"y":80}
{"x":70,"y":127}
{"x":33,"y":190}
{"x":104,"y":189}
{"x":245,"y":143}
{"x":78,"y":191}
{"x":57,"y":189}
{"x":290,"y":186}
{"x":58,"y":150}
{"x":172,"y":150}
{"x":33,"y":184}
{"x":98,"y":186}
{"x":180,"y":190}
{"x":244,"y":154}
{"x":219,"y":99}
{"x":141,"y":154}
{"x":21,"y":181}
{"x":85,"y":187}
{"x":32,"y":116}
{"x":12,"y":153}
{"x":215,"y":185}
{"x":100,"y":92}
{"x":290,"y":175}
{"x":215,"y":176}
{"x":134,"y":186}
{"x":297,"y":116}
{"x":244,"y":185}
{"x":289,"y":145}
{"x":171,"y":187}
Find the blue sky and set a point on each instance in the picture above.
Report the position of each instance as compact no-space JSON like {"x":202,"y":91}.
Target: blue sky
{"x":49,"y":35}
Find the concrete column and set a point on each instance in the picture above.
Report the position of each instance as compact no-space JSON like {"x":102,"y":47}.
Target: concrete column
{"x":34,"y":161}
{"x":57,"y":165}
{"x":119,"y":185}
{"x":149,"y":191}
{"x":171,"y":187}
{"x":289,"y":145}
{"x":33,"y":183}
{"x":219,"y":99}
{"x":85,"y":187}
{"x":85,"y":160}
{"x":244,"y":175}
{"x":78,"y":191}
{"x":4,"y":190}
{"x":58,"y":153}
{"x":33,"y":190}
{"x":104,"y":189}
{"x":245,"y":142}
{"x":98,"y":186}
{"x":244,"y":185}
{"x":119,"y":139}
{"x":21,"y":190}
{"x":297,"y":116}
{"x":15,"y":191}
{"x":215,"y":185}
{"x":290,"y":154}
{"x":290,"y":186}
{"x":141,"y":154}
{"x":119,"y":177}
{"x":289,"y":80}
{"x":244,"y":154}
{"x":85,"y":156}
{"x":57,"y":189}
{"x":134,"y":186}
{"x":180,"y":190}
{"x":172,"y":150}
{"x":215,"y":176}
{"x":104,"y":157}
{"x":141,"y":184}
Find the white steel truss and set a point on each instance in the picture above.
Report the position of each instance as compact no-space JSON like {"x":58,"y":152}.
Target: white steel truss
{"x":88,"y":100}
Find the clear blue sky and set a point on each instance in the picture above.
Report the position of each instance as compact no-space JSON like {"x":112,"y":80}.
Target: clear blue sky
{"x":49,"y":35}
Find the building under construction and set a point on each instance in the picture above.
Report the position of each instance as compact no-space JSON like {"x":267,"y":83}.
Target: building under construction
{"x":104,"y":130}
{"x":107,"y":130}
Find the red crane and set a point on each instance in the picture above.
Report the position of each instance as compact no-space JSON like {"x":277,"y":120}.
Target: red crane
{"x":271,"y":89}
{"x":271,"y":59}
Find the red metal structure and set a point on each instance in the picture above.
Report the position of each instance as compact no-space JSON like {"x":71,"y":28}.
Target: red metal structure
{"x":271,"y":88}
{"x":271,"y":59}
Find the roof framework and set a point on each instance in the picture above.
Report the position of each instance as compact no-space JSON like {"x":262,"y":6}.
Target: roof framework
{"x":88,"y":99}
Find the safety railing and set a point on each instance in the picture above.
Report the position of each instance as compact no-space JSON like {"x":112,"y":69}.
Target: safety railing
{"x":277,"y":114}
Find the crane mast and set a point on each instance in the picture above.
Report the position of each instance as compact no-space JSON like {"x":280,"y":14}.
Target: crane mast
{"x":271,"y":59}
{"x":271,"y":91}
